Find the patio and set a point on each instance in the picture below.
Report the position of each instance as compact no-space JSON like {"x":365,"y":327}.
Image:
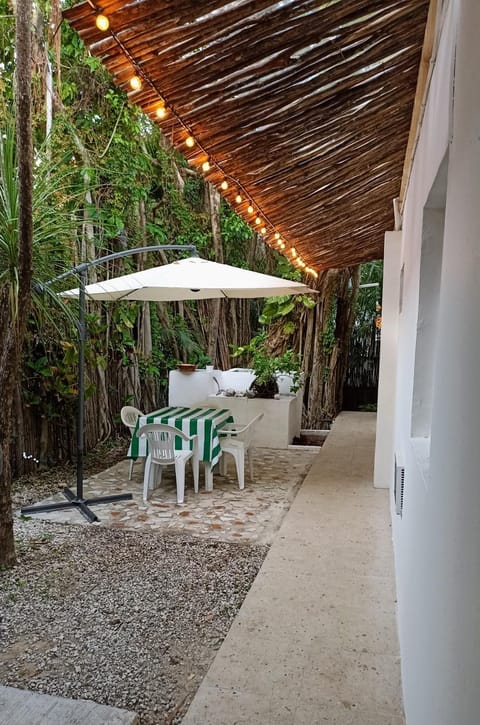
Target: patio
{"x":226,"y":514}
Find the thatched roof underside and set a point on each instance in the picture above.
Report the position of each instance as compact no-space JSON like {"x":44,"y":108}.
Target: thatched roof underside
{"x":304,"y":106}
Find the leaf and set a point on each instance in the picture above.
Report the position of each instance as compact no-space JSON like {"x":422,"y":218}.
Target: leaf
{"x":308,"y":302}
{"x":102,"y":362}
{"x":285,"y":309}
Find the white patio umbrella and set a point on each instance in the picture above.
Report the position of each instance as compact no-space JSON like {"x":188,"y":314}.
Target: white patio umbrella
{"x":190,"y":279}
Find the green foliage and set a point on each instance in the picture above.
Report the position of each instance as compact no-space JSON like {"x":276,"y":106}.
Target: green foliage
{"x":7,"y":65}
{"x":176,"y":342}
{"x":365,"y":337}
{"x":55,"y":200}
{"x":328,"y":338}
{"x":368,"y":408}
{"x":286,"y":270}
{"x":368,"y":298}
{"x":193,"y":192}
{"x":267,"y":366}
{"x":50,"y":379}
{"x":276,"y":308}
{"x":9,"y":215}
{"x":236,"y":236}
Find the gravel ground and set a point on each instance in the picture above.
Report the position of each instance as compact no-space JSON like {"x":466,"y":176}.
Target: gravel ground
{"x":126,"y":618}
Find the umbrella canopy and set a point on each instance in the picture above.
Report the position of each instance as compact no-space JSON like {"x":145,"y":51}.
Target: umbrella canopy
{"x":190,"y":279}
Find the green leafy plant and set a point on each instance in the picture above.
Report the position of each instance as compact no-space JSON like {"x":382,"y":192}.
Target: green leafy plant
{"x":200,"y":359}
{"x":267,"y":367}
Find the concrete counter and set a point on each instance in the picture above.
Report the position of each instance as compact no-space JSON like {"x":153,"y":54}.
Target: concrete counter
{"x":281,"y":421}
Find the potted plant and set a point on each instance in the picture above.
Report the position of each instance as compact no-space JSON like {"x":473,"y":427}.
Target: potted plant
{"x":265,"y":384}
{"x":289,"y":364}
{"x":267,"y":367}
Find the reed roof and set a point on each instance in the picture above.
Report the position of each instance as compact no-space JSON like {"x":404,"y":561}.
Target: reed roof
{"x":304,"y":106}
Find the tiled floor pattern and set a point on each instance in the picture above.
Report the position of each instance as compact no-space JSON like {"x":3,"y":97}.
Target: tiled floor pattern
{"x":227,"y":514}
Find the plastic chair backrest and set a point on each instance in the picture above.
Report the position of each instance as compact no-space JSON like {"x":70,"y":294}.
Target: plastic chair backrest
{"x":250,"y":429}
{"x":161,"y":441}
{"x":240,"y":431}
{"x":129,"y":416}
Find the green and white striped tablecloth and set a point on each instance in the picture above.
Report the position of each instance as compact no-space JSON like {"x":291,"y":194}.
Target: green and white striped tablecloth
{"x":203,"y":422}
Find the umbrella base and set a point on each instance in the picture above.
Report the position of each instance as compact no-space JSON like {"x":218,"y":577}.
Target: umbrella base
{"x":82,"y":504}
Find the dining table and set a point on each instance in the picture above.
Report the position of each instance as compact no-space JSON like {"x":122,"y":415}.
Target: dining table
{"x":196,"y":420}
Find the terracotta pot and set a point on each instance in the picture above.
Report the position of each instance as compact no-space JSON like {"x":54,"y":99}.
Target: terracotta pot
{"x":186,"y":367}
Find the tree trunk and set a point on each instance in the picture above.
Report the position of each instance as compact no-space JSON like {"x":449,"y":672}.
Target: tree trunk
{"x":217,"y":307}
{"x":15,"y":317}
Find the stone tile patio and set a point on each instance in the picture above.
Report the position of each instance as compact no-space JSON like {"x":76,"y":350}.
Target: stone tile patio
{"x":228,"y":514}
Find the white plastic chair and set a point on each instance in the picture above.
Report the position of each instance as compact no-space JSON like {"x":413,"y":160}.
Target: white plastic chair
{"x":161,"y":452}
{"x":129,"y":416}
{"x":236,"y":439}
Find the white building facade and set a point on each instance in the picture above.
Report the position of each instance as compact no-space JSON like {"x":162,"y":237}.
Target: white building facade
{"x":429,"y":393}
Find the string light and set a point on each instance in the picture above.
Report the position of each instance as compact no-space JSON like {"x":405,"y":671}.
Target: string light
{"x":135,"y":83}
{"x":102,"y":22}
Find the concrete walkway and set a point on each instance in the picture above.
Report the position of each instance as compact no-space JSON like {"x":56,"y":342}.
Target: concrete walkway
{"x":22,"y":707}
{"x":315,"y":640}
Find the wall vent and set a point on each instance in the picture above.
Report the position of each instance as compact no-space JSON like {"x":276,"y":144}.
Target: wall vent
{"x":399,"y":486}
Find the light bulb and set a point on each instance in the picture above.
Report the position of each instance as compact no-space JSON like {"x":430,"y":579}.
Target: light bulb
{"x":102,"y":22}
{"x":224,"y":185}
{"x":238,"y":198}
{"x":135,"y":83}
{"x":206,"y":166}
{"x":258,"y":221}
{"x":190,"y":142}
{"x":279,"y":242}
{"x":277,"y":235}
{"x":250,"y":209}
{"x":293,"y":252}
{"x":263,"y":230}
{"x":161,"y":112}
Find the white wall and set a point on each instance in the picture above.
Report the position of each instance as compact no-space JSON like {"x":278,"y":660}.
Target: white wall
{"x":384,"y":441}
{"x":437,"y":541}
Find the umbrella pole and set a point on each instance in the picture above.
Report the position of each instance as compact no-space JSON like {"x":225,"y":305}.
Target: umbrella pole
{"x":76,"y":500}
